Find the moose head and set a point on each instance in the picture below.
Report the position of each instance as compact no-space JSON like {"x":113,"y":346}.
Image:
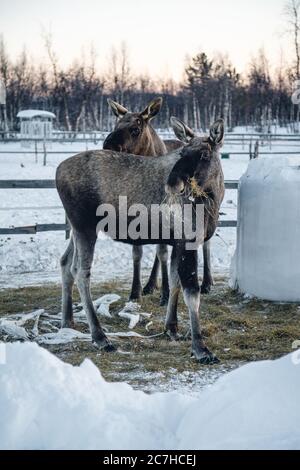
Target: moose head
{"x":133,"y":132}
{"x":199,"y":160}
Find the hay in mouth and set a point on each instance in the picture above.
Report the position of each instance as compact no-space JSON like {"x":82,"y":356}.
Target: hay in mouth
{"x":192,"y":191}
{"x":196,"y":191}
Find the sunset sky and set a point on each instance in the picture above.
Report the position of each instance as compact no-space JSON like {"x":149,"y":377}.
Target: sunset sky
{"x":159,"y":33}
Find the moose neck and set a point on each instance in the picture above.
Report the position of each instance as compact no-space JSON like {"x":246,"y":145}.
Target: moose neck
{"x":151,"y":145}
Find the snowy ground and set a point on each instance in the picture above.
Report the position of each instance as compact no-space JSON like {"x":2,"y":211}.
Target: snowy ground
{"x":44,"y":403}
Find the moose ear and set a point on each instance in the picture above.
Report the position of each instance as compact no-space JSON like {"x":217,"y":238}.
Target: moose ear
{"x":182,"y":131}
{"x":152,"y":109}
{"x":216,"y":132}
{"x":117,"y":108}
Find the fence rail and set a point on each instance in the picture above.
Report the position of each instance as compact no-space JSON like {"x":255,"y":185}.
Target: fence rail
{"x":98,"y":135}
{"x":50,"y":184}
{"x":74,"y":152}
{"x":260,"y":141}
{"x":27,"y":184}
{"x":33,"y":229}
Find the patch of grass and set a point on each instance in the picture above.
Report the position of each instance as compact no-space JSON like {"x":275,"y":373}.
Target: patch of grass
{"x":235,"y":328}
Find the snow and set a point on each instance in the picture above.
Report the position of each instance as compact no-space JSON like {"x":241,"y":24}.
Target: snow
{"x":44,"y":401}
{"x":19,"y":326}
{"x":267,"y":259}
{"x":32,"y":113}
{"x":102,"y":304}
{"x":131,"y":312}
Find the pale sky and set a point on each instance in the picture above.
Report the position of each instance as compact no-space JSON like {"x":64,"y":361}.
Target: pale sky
{"x":159,"y":33}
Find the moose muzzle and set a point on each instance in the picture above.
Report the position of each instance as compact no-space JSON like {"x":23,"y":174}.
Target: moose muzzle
{"x":176,"y":186}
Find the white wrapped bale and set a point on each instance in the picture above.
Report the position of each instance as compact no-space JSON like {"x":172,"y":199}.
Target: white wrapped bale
{"x":266,"y":263}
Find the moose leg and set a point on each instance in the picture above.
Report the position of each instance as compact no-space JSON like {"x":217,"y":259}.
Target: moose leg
{"x":187,"y":270}
{"x":136,"y":288}
{"x":84,"y":247}
{"x":171,"y":323}
{"x":207,"y":281}
{"x":67,"y":285}
{"x":162,"y":254}
{"x":152,"y":282}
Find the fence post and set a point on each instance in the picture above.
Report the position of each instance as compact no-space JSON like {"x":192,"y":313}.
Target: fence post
{"x":256,"y":149}
{"x":35,"y":151}
{"x":45,"y":152}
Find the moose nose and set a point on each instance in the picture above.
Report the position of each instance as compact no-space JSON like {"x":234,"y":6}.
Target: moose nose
{"x":114,"y":141}
{"x":177,"y":188}
{"x":107,"y":144}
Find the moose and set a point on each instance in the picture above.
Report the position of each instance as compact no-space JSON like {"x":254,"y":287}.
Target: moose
{"x":134,"y":134}
{"x":93,"y":178}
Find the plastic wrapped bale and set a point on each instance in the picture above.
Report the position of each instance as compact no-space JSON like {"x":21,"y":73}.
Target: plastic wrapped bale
{"x":266,"y":263}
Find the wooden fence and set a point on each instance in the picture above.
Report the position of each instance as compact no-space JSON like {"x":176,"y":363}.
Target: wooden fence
{"x":71,"y":136}
{"x":53,"y":227}
{"x":264,"y":146}
{"x":257,"y":146}
{"x":248,"y":142}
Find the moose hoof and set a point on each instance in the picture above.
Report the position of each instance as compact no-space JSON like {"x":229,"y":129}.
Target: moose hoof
{"x":164,"y":299}
{"x":207,"y":284}
{"x":204,"y":356}
{"x":135,"y":297}
{"x":104,"y":344}
{"x":149,"y":289}
{"x":206,"y":288}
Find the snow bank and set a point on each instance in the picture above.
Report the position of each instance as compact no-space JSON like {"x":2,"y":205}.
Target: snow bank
{"x":266,"y":264}
{"x":47,"y":404}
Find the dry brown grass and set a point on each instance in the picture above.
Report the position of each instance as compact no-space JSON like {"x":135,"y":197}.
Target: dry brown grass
{"x":236,"y":329}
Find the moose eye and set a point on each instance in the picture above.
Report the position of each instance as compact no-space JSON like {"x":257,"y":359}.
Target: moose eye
{"x":139,"y":122}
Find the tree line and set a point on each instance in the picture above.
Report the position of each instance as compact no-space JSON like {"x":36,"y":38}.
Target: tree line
{"x":212,"y":88}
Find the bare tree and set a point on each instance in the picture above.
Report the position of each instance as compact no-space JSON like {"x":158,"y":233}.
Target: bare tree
{"x":292,"y":12}
{"x":212,"y":88}
{"x":4,"y":76}
{"x":120,"y":72}
{"x":60,"y":81}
